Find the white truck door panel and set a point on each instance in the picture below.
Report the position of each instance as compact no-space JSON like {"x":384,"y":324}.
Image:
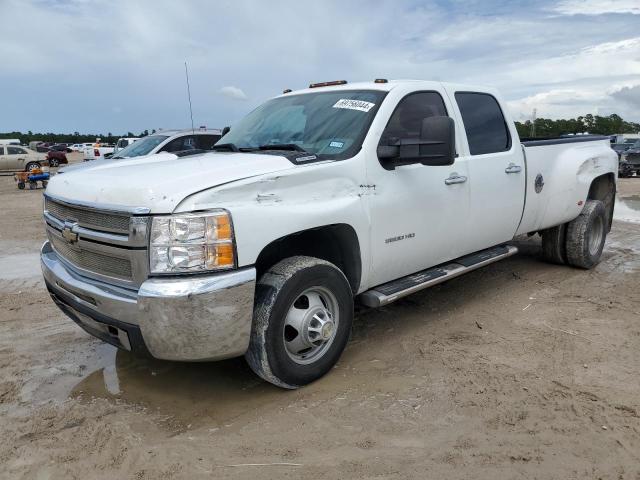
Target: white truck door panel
{"x":418,"y":213}
{"x":497,"y":174}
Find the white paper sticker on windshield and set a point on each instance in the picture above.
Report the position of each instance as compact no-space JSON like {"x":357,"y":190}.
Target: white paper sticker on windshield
{"x":354,"y":104}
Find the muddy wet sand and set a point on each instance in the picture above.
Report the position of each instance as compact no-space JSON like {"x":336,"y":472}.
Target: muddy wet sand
{"x":518,"y":370}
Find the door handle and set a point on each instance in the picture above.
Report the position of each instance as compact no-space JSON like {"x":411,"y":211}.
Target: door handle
{"x":513,"y":168}
{"x":455,"y":178}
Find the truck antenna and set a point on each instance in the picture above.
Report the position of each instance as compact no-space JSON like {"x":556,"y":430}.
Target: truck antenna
{"x":186,"y":73}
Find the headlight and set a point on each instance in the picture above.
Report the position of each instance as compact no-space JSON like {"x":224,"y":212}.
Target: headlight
{"x":192,"y":243}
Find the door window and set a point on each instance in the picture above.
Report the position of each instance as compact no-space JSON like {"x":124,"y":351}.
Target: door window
{"x":180,"y":144}
{"x":406,"y":120}
{"x":1,"y":150}
{"x":484,"y":123}
{"x":205,"y":142}
{"x":15,"y":151}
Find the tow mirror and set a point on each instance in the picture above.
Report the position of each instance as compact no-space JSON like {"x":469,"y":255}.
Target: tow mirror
{"x":436,"y":145}
{"x":225,"y":130}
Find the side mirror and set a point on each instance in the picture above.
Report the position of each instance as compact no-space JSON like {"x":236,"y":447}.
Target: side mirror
{"x":225,"y":130}
{"x":436,"y":145}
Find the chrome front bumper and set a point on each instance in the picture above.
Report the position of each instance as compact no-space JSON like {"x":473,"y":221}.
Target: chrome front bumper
{"x":191,"y":318}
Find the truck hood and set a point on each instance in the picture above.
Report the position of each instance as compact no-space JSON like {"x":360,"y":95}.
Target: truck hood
{"x":158,"y":182}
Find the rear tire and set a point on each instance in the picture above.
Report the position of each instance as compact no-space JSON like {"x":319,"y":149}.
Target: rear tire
{"x":301,"y":322}
{"x":586,"y":235}
{"x":554,"y":244}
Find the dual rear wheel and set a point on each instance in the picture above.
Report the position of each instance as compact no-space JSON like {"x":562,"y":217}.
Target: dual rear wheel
{"x":579,"y":242}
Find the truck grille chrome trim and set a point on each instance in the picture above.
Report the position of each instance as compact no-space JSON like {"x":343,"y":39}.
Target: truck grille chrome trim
{"x":93,"y":261}
{"x":88,"y":218}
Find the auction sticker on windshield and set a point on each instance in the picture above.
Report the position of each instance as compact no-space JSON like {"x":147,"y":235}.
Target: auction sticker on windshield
{"x":354,"y":104}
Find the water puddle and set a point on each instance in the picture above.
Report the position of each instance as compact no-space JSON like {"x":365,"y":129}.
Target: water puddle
{"x":185,"y":394}
{"x":627,"y":209}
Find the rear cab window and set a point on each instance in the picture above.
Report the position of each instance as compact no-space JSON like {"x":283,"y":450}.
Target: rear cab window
{"x":484,"y":123}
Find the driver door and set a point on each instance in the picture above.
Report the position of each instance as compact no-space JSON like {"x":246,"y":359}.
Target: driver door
{"x":418,"y":213}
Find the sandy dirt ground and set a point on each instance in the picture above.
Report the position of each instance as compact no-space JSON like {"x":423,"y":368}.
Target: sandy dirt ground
{"x":519,"y":370}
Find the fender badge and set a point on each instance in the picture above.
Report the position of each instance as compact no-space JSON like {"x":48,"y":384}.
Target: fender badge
{"x":539,"y":185}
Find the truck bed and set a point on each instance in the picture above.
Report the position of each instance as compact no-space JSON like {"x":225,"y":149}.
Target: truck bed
{"x":559,"y":171}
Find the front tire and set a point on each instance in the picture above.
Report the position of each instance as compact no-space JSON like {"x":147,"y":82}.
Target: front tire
{"x":54,"y":162}
{"x":586,"y":235}
{"x":301,"y":323}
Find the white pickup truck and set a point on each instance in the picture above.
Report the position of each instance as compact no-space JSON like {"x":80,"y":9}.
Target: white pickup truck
{"x":97,"y":151}
{"x":317,"y":199}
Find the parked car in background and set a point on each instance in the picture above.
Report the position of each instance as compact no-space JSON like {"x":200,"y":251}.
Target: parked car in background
{"x":620,"y":148}
{"x":97,"y":151}
{"x":56,"y":158}
{"x":61,"y":147}
{"x":172,"y":141}
{"x":630,"y":161}
{"x":13,"y":158}
{"x":79,"y":147}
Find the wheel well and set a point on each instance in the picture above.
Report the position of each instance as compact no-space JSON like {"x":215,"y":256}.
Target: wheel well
{"x":337,"y":244}
{"x":603,"y":188}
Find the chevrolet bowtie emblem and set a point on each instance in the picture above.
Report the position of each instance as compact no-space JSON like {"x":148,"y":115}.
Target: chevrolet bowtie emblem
{"x":68,"y":234}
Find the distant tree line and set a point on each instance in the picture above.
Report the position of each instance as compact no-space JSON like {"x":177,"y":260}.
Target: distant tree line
{"x":75,"y":137}
{"x":544,"y":127}
{"x":595,"y":124}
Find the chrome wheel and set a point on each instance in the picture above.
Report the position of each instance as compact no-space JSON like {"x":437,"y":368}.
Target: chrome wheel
{"x":311,"y":325}
{"x":595,"y":238}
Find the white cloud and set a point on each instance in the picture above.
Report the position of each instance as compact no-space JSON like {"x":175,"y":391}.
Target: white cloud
{"x":234,"y":93}
{"x":597,"y":7}
{"x":563,"y":63}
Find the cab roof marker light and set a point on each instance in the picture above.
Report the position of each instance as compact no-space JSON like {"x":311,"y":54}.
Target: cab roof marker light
{"x":381,"y":80}
{"x":328,"y":84}
{"x":286,"y":90}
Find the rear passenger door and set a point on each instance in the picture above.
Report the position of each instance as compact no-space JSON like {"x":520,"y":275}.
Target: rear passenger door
{"x":496,"y":170}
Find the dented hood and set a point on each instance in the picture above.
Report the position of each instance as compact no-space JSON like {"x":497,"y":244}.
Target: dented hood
{"x":159,"y":182}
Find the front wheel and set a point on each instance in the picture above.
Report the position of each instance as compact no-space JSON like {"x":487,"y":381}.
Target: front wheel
{"x":301,"y":323}
{"x":54,"y":162}
{"x":586,"y":235}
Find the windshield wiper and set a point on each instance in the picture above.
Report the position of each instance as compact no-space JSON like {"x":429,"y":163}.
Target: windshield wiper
{"x":283,"y":146}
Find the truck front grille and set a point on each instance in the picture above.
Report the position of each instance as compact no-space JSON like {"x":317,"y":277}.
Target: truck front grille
{"x":102,"y":221}
{"x":93,"y":261}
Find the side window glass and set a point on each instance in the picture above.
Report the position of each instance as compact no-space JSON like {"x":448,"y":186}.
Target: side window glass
{"x":205,"y":142}
{"x":14,"y":151}
{"x":484,"y":123}
{"x":406,"y":120}
{"x":1,"y":150}
{"x":180,"y":144}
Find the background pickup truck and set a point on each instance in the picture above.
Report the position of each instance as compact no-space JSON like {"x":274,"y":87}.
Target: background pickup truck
{"x":317,"y":199}
{"x":97,"y":151}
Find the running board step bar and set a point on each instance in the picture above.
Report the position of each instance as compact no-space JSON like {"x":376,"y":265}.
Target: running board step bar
{"x":389,"y":292}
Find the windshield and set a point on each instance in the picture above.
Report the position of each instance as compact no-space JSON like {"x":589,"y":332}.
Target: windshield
{"x":323,"y":123}
{"x":141,"y":147}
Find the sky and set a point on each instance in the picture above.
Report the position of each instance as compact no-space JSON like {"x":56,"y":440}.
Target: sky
{"x":98,"y":66}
